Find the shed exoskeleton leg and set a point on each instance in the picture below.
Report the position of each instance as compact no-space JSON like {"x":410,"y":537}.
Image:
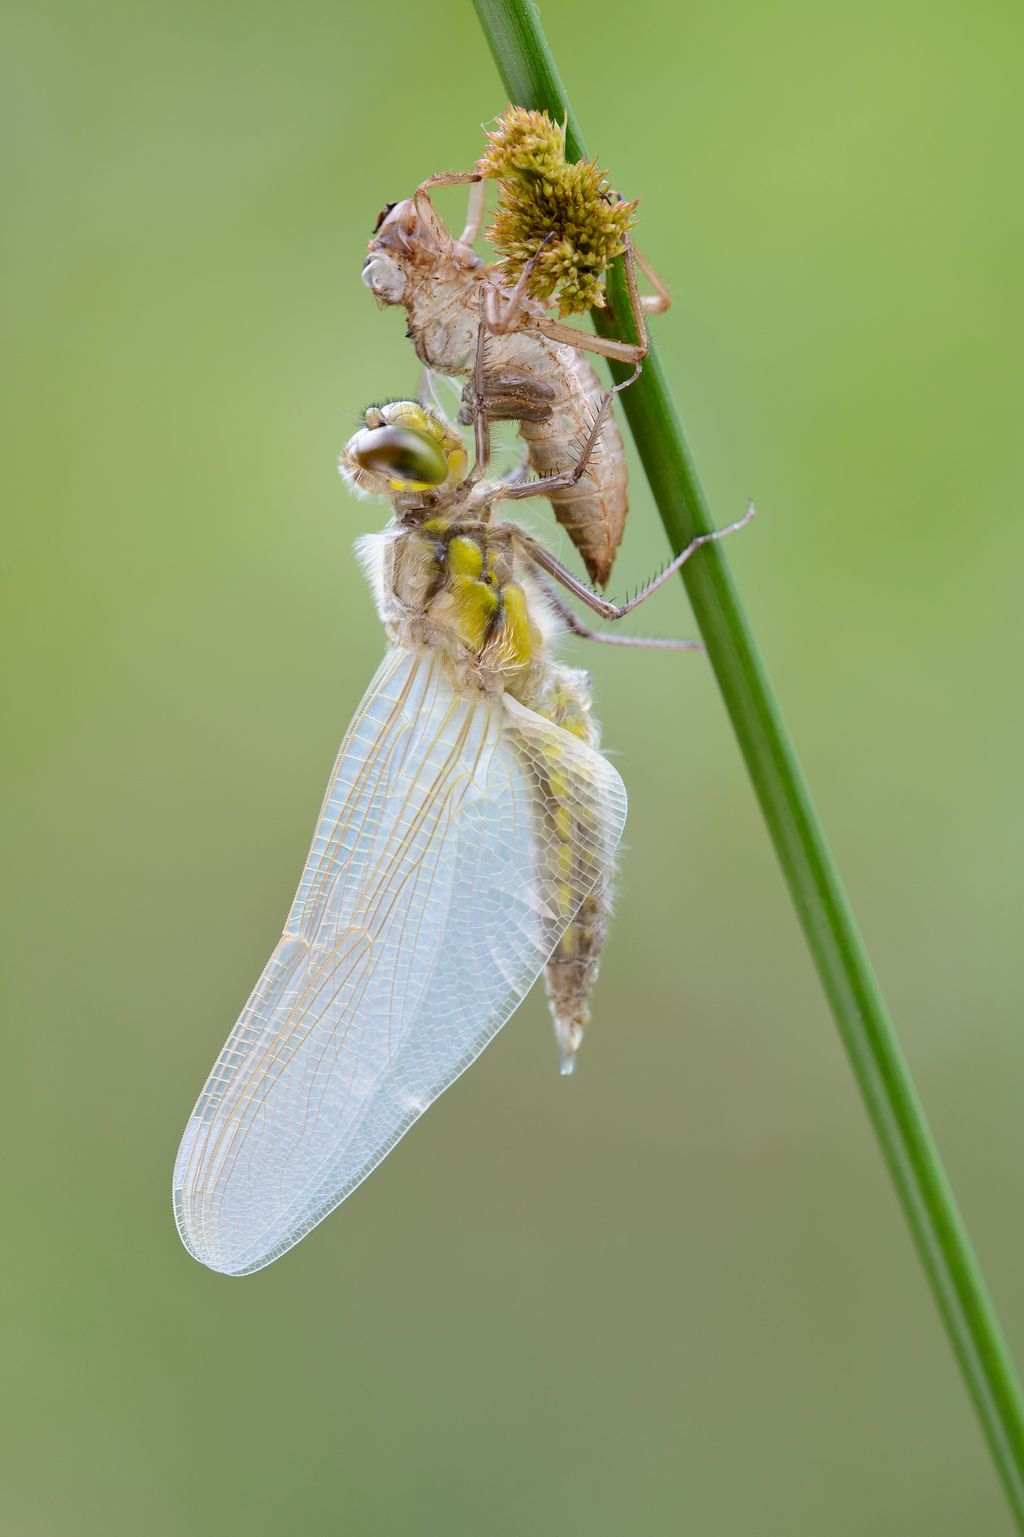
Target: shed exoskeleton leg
{"x":545,"y":484}
{"x":502,"y":310}
{"x":661,"y":299}
{"x":516,"y":488}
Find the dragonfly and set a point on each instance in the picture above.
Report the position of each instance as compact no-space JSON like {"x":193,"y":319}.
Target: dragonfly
{"x":536,"y":373}
{"x":465,"y":845}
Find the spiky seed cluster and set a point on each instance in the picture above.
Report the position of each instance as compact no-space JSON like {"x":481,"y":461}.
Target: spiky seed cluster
{"x":524,"y":143}
{"x":543,"y":194}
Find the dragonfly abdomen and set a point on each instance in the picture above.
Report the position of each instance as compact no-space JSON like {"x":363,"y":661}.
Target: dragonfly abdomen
{"x":579,"y":855}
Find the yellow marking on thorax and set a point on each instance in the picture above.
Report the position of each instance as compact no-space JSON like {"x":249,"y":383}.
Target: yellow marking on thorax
{"x":465,"y":557}
{"x":490,"y":619}
{"x":472,"y":610}
{"x":516,"y":634}
{"x":470,"y":603}
{"x":438,"y":526}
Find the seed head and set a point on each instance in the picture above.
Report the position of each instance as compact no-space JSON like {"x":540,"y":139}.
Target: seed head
{"x":543,"y":195}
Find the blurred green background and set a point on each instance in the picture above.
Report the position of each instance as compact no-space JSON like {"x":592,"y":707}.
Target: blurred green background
{"x":674,"y":1294}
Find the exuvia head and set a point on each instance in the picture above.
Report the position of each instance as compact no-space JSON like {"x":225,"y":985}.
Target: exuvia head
{"x":403,"y":447}
{"x":411,"y":235}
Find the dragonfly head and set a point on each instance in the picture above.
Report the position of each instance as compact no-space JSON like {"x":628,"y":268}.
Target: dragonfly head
{"x":403,"y":447}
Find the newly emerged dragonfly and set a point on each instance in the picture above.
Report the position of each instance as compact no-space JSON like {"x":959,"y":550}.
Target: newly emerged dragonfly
{"x":465,"y":843}
{"x":535,"y":374}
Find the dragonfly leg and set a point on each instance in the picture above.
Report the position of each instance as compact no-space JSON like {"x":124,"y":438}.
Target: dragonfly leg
{"x":603,"y":606}
{"x":574,"y":624}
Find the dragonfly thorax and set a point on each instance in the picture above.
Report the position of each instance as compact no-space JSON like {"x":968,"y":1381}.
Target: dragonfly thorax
{"x":451,"y":584}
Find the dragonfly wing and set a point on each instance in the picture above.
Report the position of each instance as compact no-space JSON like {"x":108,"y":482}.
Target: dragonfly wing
{"x":422,"y":918}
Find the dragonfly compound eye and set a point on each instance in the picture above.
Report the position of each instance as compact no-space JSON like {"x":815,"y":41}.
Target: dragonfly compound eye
{"x":407,"y":457}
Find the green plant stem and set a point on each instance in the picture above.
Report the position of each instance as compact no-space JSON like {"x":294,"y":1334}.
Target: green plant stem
{"x":531,"y":79}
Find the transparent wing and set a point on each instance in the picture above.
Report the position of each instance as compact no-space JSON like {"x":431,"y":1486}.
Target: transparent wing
{"x":443,"y":394}
{"x":423,"y":916}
